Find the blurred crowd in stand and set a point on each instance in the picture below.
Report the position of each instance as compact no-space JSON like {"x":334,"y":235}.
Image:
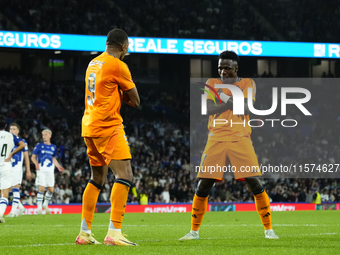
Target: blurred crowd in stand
{"x":285,"y":20}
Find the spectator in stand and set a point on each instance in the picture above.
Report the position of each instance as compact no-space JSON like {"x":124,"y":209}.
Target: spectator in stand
{"x":159,"y":189}
{"x":166,"y":194}
{"x":309,"y":197}
{"x":104,"y":196}
{"x":65,"y":199}
{"x":324,"y":196}
{"x":69,"y":192}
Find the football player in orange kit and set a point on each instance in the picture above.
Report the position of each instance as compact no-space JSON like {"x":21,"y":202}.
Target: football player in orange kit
{"x":229,"y":144}
{"x":108,"y":83}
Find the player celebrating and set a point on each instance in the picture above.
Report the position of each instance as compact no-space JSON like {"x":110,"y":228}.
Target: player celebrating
{"x":7,"y":143}
{"x":46,"y":153}
{"x":108,"y":83}
{"x":229,"y":144}
{"x":17,"y":161}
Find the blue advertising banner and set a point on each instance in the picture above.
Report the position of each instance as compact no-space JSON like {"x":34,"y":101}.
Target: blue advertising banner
{"x":12,"y":39}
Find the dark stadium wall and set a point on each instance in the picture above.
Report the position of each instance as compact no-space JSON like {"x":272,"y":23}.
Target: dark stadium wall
{"x":174,"y":70}
{"x":293,"y":67}
{"x":337,"y":68}
{"x":169,"y":72}
{"x":10,"y":59}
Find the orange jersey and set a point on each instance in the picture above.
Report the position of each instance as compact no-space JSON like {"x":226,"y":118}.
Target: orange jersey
{"x":230,"y":131}
{"x":106,"y":79}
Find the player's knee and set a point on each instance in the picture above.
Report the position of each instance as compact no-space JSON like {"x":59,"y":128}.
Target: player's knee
{"x":126,"y":176}
{"x":125,"y":182}
{"x":130,"y":177}
{"x":255,"y":185}
{"x":96,"y":184}
{"x":204,"y":187}
{"x":98,"y":178}
{"x":5,"y":193}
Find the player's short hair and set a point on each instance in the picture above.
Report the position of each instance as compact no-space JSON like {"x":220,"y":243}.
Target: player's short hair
{"x":116,"y":37}
{"x":3,"y":122}
{"x":47,"y":130}
{"x":227,"y":54}
{"x":15,"y":125}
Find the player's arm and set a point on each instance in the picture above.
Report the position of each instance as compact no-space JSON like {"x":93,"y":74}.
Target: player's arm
{"x":213,"y":109}
{"x":27,"y":163}
{"x":56,"y":163}
{"x":130,"y":93}
{"x":228,"y":100}
{"x":131,"y":97}
{"x":35,"y":161}
{"x":21,"y":146}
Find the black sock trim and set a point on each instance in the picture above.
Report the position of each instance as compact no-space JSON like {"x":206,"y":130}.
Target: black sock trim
{"x":124,"y":182}
{"x":201,"y":194}
{"x":95,"y":184}
{"x":256,"y":192}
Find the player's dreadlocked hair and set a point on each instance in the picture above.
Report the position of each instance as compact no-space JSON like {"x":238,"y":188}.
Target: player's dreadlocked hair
{"x":229,"y":55}
{"x":116,"y":37}
{"x":3,"y":122}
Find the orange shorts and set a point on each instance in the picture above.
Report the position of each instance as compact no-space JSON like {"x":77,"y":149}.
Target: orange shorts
{"x":101,"y":150}
{"x":222,"y":159}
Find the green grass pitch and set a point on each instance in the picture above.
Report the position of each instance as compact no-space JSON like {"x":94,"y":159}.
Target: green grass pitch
{"x":309,"y":232}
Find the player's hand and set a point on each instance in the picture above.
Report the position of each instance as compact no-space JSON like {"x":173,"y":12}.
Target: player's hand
{"x":37,"y":167}
{"x":28,"y":175}
{"x":8,"y":159}
{"x":61,"y":169}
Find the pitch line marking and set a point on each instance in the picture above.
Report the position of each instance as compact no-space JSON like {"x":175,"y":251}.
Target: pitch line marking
{"x":36,"y":245}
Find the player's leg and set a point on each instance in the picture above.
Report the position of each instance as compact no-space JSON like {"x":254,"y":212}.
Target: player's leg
{"x":16,"y":193}
{"x":21,"y":207}
{"x":40,"y":181}
{"x":16,"y":181}
{"x":120,"y":190}
{"x":199,"y":207}
{"x":90,"y":197}
{"x":3,"y":203}
{"x":117,"y":155}
{"x":242,"y":155}
{"x":49,"y":183}
{"x":5,"y":184}
{"x":262,"y":204}
{"x":40,"y":197}
{"x":119,"y":194}
{"x":214,"y":154}
{"x":48,"y":194}
{"x":99,"y":171}
{"x":16,"y":200}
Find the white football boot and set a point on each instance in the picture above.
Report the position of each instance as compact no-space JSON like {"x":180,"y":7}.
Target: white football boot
{"x":46,"y":209}
{"x":270,"y":234}
{"x":190,"y":236}
{"x":11,"y":215}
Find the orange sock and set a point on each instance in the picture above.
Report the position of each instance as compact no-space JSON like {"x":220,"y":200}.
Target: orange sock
{"x":263,"y":208}
{"x":90,"y":198}
{"x":199,"y":207}
{"x":119,"y":195}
